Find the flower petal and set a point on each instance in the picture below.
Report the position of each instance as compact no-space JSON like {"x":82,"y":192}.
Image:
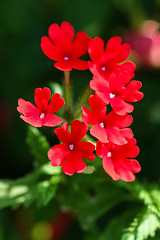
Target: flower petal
{"x":51,"y":120}
{"x":63,"y":134}
{"x":128,"y":66}
{"x":126,"y":133}
{"x":78,"y":130}
{"x":68,"y":167}
{"x":133,"y":165}
{"x":54,"y":32}
{"x":115,"y":136}
{"x":109,"y":168}
{"x":120,"y":106}
{"x":125,"y":174}
{"x":132,"y":94}
{"x":67,"y":30}
{"x":97,"y":105}
{"x":118,"y":79}
{"x":80,"y":44}
{"x":96,"y":48}
{"x":113,"y":43}
{"x":32,"y":121}
{"x":89,"y":117}
{"x":79,"y":64}
{"x":101,"y":88}
{"x":30,"y":112}
{"x":99,"y":133}
{"x":86,"y":150}
{"x":50,"y":50}
{"x":56,"y":103}
{"x":64,"y":65}
{"x":80,"y":166}
{"x":42,"y":97}
{"x":57,"y":153}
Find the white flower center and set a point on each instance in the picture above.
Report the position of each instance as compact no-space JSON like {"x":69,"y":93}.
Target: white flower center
{"x":42,"y":115}
{"x":66,"y":58}
{"x":112,"y":95}
{"x":103,"y":68}
{"x":101,"y":124}
{"x":71,"y":146}
{"x":109,"y":154}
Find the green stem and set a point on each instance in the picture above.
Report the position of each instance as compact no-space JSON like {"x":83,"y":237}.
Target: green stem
{"x":81,"y":101}
{"x":88,"y":138}
{"x":68,"y":96}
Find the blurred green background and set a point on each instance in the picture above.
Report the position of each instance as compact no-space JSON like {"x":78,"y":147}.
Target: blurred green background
{"x":24,"y":67}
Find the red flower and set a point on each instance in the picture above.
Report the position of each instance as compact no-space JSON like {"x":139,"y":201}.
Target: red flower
{"x":61,"y":47}
{"x":117,"y":160}
{"x":42,"y":114}
{"x":111,"y":127}
{"x":69,"y":154}
{"x":104,"y":62}
{"x":118,"y":91}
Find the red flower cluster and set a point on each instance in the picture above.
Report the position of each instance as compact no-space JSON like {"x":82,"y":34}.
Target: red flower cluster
{"x":112,"y":84}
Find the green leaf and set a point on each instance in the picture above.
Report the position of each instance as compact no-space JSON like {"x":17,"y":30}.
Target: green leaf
{"x":56,"y":88}
{"x":30,"y":188}
{"x":38,"y":144}
{"x":143,"y":226}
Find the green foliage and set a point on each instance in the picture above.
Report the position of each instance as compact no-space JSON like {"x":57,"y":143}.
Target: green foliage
{"x":148,"y":220}
{"x":143,"y":226}
{"x":90,"y":199}
{"x":39,"y":187}
{"x":38,"y":144}
{"x":118,"y":222}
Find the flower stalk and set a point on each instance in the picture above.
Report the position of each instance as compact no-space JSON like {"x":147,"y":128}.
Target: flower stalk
{"x":67,"y":85}
{"x":82,"y":102}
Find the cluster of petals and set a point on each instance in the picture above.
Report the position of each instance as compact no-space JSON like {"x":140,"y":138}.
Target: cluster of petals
{"x":104,"y":62}
{"x":117,"y":91}
{"x":69,"y":154}
{"x":112,"y":84}
{"x":118,"y":160}
{"x":107,"y":128}
{"x":42,"y":115}
{"x":62,"y":47}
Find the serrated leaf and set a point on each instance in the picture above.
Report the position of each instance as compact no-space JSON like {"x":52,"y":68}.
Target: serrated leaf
{"x":142,"y":227}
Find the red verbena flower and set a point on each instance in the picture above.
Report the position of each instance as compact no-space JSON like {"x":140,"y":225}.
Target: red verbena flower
{"x":118,"y":91}
{"x":110,"y":127}
{"x":104,"y":62}
{"x":62,"y":47}
{"x":69,"y":154}
{"x":42,"y":114}
{"x":117,"y":159}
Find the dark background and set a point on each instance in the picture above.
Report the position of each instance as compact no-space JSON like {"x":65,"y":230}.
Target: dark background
{"x":24,"y":67}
